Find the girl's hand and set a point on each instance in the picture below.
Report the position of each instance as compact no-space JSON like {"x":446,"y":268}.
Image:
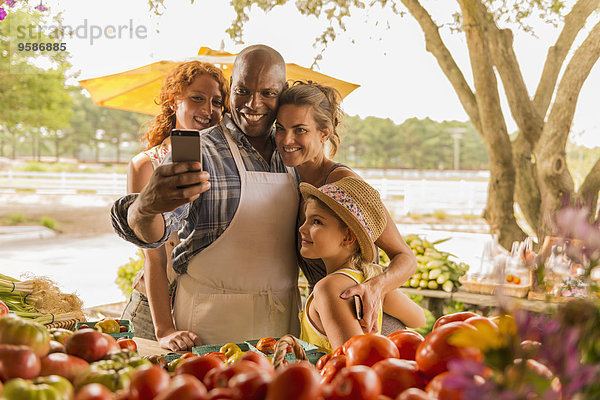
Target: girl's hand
{"x":372,"y":298}
{"x":179,"y":340}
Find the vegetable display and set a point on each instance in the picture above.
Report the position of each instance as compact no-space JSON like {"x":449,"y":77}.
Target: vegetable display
{"x":435,"y":268}
{"x":464,"y":355}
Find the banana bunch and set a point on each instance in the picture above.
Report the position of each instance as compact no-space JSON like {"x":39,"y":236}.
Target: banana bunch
{"x":435,"y":269}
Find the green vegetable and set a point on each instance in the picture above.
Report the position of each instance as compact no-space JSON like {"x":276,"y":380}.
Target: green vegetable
{"x":448,"y":286}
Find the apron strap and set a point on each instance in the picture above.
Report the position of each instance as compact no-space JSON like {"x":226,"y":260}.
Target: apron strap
{"x":233,"y":147}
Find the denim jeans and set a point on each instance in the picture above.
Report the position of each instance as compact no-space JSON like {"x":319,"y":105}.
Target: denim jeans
{"x":137,"y":311}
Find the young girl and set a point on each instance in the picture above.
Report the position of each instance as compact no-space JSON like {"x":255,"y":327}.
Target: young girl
{"x":343,"y":219}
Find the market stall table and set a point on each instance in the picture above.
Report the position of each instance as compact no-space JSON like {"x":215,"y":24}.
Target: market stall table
{"x":147,"y":347}
{"x":434,"y":300}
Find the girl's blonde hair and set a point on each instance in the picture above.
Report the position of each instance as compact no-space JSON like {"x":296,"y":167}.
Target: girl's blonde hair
{"x":325,"y":102}
{"x":357,"y":262}
{"x":175,"y":83}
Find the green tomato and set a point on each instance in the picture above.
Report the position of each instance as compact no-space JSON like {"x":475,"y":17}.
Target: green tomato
{"x":51,"y":387}
{"x":16,"y":330}
{"x":61,"y":384}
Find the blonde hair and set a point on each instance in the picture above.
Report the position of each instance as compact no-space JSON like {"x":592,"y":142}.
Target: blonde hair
{"x":325,"y":102}
{"x":357,"y":261}
{"x":175,"y":83}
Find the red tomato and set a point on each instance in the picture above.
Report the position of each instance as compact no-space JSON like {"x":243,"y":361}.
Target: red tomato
{"x":221,"y":376}
{"x":348,"y":342}
{"x":358,"y":382}
{"x":128,"y":344}
{"x":18,"y":362}
{"x":251,"y":385}
{"x":438,"y":388}
{"x":262,"y":361}
{"x":19,"y":331}
{"x":3,"y":309}
{"x":434,"y":353}
{"x":147,"y":381}
{"x":88,"y":344}
{"x":332,"y":367}
{"x":113,"y":346}
{"x":397,"y":375}
{"x":370,"y":348}
{"x":94,"y":391}
{"x":184,"y":387}
{"x":217,"y":354}
{"x":323,"y":360}
{"x":413,"y":394}
{"x":407,"y":342}
{"x":266,"y":345}
{"x":198,"y":366}
{"x":339,"y":351}
{"x":63,"y":365}
{"x":224,"y":393}
{"x":298,"y":381}
{"x":459,"y":316}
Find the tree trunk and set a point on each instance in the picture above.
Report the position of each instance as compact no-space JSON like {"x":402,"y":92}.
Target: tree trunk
{"x":527,"y":193}
{"x":118,"y":150}
{"x":556,"y":183}
{"x":14,"y":146}
{"x":56,"y":148}
{"x":589,"y":190}
{"x":499,"y":210}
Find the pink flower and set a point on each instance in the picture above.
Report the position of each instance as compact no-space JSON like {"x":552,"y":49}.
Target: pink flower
{"x":11,"y":3}
{"x":2,"y":14}
{"x":41,"y":7}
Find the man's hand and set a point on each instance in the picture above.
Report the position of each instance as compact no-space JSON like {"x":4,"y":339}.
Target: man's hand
{"x":171,"y":186}
{"x":372,"y":298}
{"x":179,"y":340}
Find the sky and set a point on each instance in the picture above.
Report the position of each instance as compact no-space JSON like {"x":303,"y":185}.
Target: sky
{"x":399,"y":79}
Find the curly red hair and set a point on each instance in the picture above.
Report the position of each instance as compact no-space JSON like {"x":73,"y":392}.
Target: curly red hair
{"x":176,"y":81}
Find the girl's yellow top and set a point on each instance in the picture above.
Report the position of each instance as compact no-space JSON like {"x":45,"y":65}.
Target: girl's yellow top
{"x":309,"y":333}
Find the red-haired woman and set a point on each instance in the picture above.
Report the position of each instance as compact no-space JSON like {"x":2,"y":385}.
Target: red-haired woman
{"x":193,"y":96}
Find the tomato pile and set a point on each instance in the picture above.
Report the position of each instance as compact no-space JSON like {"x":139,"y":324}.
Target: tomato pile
{"x":88,"y":364}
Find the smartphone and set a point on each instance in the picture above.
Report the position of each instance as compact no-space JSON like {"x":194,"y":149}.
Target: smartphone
{"x":358,"y":307}
{"x":186,"y":145}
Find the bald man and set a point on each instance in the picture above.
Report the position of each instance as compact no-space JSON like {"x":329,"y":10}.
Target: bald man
{"x":236,"y":264}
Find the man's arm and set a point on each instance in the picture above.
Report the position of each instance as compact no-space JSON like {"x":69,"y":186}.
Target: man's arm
{"x":139,"y":218}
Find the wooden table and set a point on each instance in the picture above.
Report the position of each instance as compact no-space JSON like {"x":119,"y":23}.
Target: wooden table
{"x":434,"y":300}
{"x":148,"y":347}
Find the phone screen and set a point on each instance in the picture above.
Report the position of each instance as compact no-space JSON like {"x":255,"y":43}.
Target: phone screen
{"x":358,"y":307}
{"x":186,"y":145}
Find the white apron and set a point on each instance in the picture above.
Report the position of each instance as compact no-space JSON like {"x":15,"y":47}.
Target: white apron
{"x":245,"y":284}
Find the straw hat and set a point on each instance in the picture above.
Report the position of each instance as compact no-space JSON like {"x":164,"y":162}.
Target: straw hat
{"x":358,"y":205}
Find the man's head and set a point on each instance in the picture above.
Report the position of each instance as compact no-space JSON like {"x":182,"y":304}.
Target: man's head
{"x":257,"y":79}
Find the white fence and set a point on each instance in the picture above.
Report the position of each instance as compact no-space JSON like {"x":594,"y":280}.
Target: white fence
{"x":454,"y":192}
{"x":63,"y":182}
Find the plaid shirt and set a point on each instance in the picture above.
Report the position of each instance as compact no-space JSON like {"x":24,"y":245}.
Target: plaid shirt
{"x":201,"y":222}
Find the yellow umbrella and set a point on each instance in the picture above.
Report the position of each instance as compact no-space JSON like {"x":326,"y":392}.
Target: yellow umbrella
{"x":136,"y":90}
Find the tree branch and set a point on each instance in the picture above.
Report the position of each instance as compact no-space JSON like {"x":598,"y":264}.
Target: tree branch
{"x":435,"y":45}
{"x":588,"y":192}
{"x":574,"y":22}
{"x":558,"y":126}
{"x":528,"y":120}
